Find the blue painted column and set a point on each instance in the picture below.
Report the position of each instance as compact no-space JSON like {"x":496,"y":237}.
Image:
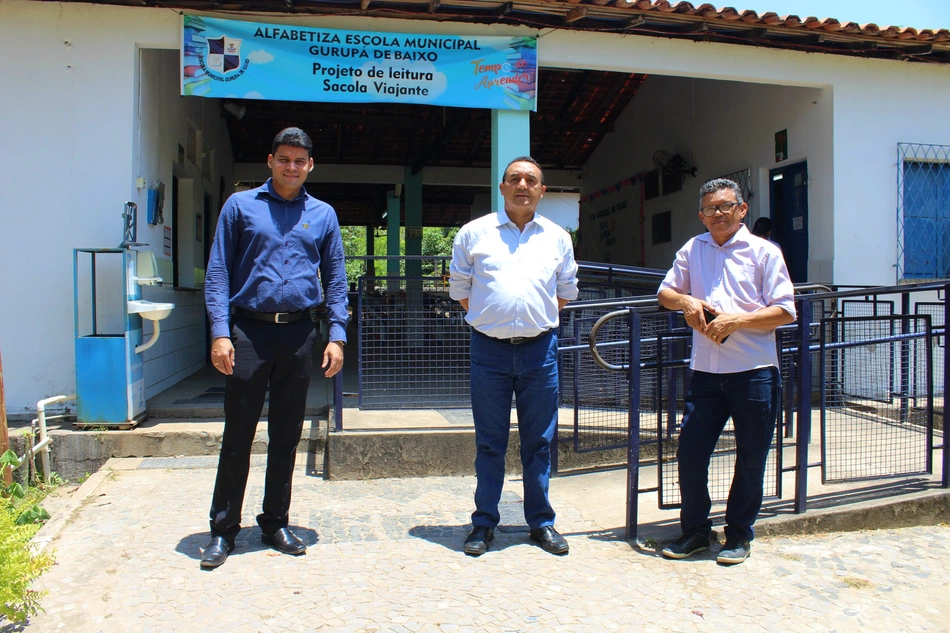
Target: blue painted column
{"x":510,"y":138}
{"x":413,"y":221}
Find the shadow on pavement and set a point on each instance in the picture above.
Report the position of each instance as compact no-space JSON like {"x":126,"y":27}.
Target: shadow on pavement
{"x":249,"y":540}
{"x":452,"y":537}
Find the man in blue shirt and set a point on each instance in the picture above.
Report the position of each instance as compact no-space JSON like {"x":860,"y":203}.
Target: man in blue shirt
{"x":513,"y":271}
{"x":262,"y":281}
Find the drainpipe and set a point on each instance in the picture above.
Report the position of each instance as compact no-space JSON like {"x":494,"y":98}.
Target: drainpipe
{"x":42,"y":447}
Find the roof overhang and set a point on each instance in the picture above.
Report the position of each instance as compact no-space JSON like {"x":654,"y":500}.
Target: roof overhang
{"x":654,"y":18}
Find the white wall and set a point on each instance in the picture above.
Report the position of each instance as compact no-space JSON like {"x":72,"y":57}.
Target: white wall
{"x":872,"y":114}
{"x":72,"y":151}
{"x":720,"y":127}
{"x":164,"y":121}
{"x":560,"y":208}
{"x":873,"y":105}
{"x":70,"y":155}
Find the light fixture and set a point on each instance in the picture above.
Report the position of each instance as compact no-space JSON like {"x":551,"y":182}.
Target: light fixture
{"x":236,"y":109}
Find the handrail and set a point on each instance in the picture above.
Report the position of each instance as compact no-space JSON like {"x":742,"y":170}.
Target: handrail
{"x":633,"y":302}
{"x":592,"y":340}
{"x":879,"y":290}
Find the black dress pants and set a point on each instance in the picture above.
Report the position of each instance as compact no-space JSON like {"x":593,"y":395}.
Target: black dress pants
{"x":280,"y":354}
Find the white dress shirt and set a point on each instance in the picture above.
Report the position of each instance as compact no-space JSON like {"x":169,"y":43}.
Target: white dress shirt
{"x":743,"y":275}
{"x":512,"y":279}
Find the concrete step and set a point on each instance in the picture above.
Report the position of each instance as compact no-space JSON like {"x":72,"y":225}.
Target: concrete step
{"x":377,"y":445}
{"x":438,"y":453}
{"x":77,"y":453}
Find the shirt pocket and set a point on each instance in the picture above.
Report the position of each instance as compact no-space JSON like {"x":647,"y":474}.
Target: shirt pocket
{"x":745,"y":280}
{"x":548,"y":267}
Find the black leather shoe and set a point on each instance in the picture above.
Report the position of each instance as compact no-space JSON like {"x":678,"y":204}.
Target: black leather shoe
{"x":477,"y":542}
{"x":216,"y":552}
{"x":549,"y":540}
{"x":283,"y":540}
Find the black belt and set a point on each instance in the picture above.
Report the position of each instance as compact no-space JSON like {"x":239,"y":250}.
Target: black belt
{"x":517,"y":340}
{"x":270,"y":317}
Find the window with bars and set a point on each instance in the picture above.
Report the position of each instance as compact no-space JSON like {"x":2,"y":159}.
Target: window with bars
{"x":923,"y":211}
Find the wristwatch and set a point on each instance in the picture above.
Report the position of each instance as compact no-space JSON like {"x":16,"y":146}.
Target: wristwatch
{"x":340,"y":343}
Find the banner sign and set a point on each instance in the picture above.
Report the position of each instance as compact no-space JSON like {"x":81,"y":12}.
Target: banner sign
{"x":250,"y":60}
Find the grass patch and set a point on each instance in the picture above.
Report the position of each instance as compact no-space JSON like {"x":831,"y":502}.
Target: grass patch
{"x":856,"y":583}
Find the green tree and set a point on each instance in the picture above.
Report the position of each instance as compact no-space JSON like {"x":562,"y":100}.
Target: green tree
{"x":436,"y":242}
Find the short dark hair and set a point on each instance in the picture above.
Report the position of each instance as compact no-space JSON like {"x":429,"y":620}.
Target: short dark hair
{"x":719,"y":184}
{"x":294,"y":137}
{"x":522,"y":159}
{"x":762,"y":226}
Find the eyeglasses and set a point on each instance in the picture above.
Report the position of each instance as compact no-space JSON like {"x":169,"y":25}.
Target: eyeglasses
{"x":724,"y":208}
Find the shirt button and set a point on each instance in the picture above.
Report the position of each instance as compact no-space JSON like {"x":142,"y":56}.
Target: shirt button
{"x":286,"y":261}
{"x":286,"y":282}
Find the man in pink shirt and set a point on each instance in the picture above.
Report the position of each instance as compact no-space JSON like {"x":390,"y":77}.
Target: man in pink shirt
{"x":742,"y":281}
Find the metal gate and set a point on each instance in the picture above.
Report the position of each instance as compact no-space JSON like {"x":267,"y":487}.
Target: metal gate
{"x":876,"y":421}
{"x":413,"y":343}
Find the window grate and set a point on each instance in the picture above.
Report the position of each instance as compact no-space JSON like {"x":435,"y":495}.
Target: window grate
{"x":923,"y":211}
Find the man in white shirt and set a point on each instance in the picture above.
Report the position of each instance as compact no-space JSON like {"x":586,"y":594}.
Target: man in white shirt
{"x":513,"y":271}
{"x":743,"y":282}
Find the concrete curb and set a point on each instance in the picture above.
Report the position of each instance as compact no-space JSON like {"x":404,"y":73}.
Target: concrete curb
{"x":923,"y":508}
{"x":42,"y":540}
{"x":433,"y":453}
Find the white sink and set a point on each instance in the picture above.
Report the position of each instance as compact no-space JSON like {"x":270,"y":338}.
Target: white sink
{"x":149,"y":309}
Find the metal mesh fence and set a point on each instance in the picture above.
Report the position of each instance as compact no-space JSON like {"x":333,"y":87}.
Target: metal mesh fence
{"x":863,"y":372}
{"x":936,"y":311}
{"x":923,"y":211}
{"x":790,"y":361}
{"x":600,"y":398}
{"x":876,"y":420}
{"x":413,"y":345}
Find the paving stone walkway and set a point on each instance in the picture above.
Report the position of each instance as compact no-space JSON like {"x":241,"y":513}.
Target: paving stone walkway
{"x":385,"y":555}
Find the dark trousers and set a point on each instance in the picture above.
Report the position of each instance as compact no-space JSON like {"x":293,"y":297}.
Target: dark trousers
{"x":281,"y":355}
{"x":751,"y":398}
{"x":529,"y":371}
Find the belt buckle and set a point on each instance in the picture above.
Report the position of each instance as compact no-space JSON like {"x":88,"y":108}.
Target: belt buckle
{"x":278,"y":315}
{"x":518,"y":340}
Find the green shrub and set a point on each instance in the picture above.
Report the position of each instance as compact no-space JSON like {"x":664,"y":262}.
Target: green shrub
{"x":21,"y":517}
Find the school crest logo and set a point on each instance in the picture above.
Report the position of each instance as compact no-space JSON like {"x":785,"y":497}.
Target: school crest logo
{"x":224,"y":54}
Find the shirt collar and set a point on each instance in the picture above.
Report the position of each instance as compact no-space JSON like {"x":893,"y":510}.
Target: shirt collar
{"x":742,"y":235}
{"x":268,"y":188}
{"x":502,"y":218}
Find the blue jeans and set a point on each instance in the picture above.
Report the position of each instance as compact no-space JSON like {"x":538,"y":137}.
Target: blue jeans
{"x":529,"y":371}
{"x":751,"y":398}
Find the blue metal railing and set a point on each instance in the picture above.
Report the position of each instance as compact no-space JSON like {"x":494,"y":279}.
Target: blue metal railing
{"x":802,"y":348}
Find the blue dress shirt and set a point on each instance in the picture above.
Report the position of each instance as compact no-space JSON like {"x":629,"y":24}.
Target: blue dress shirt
{"x":266,"y":255}
{"x":512,"y":279}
